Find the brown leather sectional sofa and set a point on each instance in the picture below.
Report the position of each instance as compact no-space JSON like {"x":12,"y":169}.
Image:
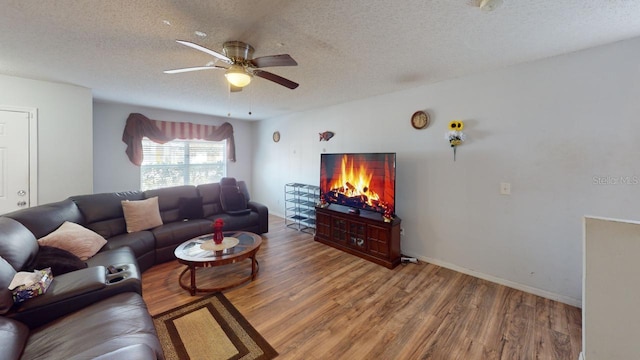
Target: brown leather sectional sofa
{"x":98,"y":311}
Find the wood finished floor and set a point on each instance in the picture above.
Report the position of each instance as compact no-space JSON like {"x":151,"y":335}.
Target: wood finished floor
{"x":311,"y":301}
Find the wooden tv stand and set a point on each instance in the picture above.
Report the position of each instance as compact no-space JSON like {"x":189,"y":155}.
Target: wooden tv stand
{"x":365,"y":235}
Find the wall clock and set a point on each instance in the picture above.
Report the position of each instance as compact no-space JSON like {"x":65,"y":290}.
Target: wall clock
{"x":276,"y":136}
{"x":420,"y":120}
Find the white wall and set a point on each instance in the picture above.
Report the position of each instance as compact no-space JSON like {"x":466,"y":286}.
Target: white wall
{"x":65,"y":145}
{"x":610,"y":319}
{"x":554,"y":129}
{"x":114,"y":171}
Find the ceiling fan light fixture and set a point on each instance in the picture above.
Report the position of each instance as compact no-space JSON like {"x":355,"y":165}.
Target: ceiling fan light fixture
{"x":237,"y":76}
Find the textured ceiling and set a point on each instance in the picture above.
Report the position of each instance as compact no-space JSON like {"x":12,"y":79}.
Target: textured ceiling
{"x":346,"y":50}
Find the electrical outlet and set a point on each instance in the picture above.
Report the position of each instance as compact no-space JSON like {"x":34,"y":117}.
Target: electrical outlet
{"x":505,"y":188}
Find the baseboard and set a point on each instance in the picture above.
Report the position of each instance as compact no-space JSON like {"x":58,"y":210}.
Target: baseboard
{"x":581,"y":357}
{"x":539,"y":292}
{"x":543,"y":293}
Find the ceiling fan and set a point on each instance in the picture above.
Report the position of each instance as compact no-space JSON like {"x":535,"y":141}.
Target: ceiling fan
{"x":240,"y":64}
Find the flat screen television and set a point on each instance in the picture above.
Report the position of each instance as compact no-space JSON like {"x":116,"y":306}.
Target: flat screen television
{"x":364,"y":181}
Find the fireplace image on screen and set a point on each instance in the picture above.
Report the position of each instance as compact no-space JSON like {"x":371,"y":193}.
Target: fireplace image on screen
{"x":362,"y":181}
{"x":365,"y":182}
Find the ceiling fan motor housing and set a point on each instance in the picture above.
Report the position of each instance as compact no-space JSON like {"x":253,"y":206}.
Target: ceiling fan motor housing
{"x":237,"y":50}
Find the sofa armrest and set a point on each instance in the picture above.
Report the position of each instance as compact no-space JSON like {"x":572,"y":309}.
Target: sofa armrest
{"x":263,"y":213}
{"x":69,"y":285}
{"x":76,"y":290}
{"x":67,"y":293}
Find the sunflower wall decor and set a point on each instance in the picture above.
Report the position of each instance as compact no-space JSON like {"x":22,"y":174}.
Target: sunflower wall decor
{"x":455,"y":135}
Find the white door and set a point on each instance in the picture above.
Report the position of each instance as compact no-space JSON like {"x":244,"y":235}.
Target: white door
{"x":14,"y":160}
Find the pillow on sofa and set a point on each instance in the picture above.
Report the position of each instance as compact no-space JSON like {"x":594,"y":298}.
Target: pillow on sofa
{"x":190,"y":208}
{"x":74,"y":238}
{"x":141,"y":214}
{"x":59,"y":260}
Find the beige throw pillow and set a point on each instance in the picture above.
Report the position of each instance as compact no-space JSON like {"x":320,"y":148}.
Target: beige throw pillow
{"x":142,"y":214}
{"x":76,"y":239}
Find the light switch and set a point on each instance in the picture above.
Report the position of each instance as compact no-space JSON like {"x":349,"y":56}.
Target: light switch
{"x":505,"y":188}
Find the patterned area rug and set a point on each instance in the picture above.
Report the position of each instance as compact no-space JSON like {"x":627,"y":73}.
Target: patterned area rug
{"x":210,"y":328}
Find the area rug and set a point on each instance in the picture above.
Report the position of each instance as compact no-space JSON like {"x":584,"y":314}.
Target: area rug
{"x":210,"y":328}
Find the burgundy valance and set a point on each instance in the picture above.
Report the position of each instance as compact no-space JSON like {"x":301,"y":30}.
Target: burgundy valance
{"x":139,"y":126}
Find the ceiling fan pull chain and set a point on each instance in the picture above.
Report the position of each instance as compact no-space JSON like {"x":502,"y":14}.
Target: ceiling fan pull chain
{"x":228,"y":99}
{"x":250,"y":100}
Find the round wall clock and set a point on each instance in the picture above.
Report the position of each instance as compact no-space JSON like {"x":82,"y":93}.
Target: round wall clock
{"x":276,"y":136}
{"x":419,"y":119}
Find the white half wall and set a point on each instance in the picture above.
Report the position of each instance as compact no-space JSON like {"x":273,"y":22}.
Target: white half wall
{"x":65,"y":141}
{"x":610,"y":320}
{"x":114,"y":171}
{"x":562,"y":131}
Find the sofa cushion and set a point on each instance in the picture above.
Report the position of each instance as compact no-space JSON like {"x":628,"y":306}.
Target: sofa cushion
{"x":109,"y":228}
{"x":245,"y":222}
{"x":74,"y":238}
{"x":18,"y":246}
{"x":190,"y":208}
{"x":43,"y":219}
{"x":210,"y":194}
{"x":142,"y":214}
{"x":119,"y":256}
{"x":59,"y":260}
{"x":169,"y":198}
{"x":136,"y":351}
{"x":13,"y":337}
{"x":106,"y":326}
{"x":141,"y":242}
{"x":175,"y":233}
{"x":103,"y":212}
{"x":7,"y":272}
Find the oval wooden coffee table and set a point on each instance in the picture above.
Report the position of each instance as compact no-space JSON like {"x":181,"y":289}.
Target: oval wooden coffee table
{"x":191,"y":254}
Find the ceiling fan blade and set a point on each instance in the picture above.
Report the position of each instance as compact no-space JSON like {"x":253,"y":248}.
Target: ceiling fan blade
{"x":205,"y":50}
{"x":177,"y":71}
{"x":276,"y":79}
{"x":274,"y":60}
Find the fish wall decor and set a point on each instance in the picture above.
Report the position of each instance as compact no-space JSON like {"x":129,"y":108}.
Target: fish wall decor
{"x":326,"y":136}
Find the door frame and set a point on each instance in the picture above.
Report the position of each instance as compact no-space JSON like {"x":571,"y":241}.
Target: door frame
{"x":33,"y":149}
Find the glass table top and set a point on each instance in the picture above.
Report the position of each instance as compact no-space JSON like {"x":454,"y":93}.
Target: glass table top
{"x":190,"y":250}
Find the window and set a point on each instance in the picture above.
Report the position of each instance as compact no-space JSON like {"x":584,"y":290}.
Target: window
{"x":182,"y":162}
